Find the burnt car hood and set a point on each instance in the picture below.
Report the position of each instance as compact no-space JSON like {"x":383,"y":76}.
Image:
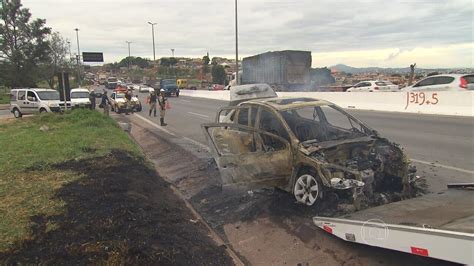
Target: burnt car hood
{"x":309,"y":147}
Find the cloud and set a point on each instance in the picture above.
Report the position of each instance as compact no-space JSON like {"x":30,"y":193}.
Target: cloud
{"x":193,"y":27}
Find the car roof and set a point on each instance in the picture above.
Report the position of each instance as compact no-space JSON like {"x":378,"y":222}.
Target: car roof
{"x":33,"y":89}
{"x":80,"y":89}
{"x":448,"y":75}
{"x":288,"y":103}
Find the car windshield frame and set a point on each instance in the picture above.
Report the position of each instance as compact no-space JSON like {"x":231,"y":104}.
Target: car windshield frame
{"x":359,"y":129}
{"x":48,"y":95}
{"x":169,"y":82}
{"x":120,"y":95}
{"x":82,"y":95}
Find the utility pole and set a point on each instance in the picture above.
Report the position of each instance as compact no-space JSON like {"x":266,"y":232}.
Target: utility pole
{"x":78,"y":57}
{"x":172,"y":52}
{"x":129,"y":58}
{"x":236,"y":46}
{"x":153,"y":37}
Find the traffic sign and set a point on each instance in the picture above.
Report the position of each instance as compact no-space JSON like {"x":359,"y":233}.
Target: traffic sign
{"x":92,"y":57}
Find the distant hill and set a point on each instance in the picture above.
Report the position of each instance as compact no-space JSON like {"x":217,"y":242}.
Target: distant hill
{"x":355,"y":70}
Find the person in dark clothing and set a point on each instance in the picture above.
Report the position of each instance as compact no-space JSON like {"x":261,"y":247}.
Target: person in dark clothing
{"x":153,"y":99}
{"x":162,"y":102}
{"x":105,"y":103}
{"x":128,"y":102}
{"x":92,"y":99}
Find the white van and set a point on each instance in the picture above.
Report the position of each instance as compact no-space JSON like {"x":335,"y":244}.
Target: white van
{"x":35,"y":100}
{"x":80,"y":98}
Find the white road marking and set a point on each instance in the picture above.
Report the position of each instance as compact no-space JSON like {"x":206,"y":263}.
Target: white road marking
{"x":186,"y":101}
{"x":155,"y":125}
{"x":444,"y":166}
{"x":206,"y":116}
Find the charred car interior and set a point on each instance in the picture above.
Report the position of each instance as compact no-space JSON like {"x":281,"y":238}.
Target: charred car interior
{"x":308,"y":147}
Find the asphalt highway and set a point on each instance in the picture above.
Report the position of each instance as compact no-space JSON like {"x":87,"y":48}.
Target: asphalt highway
{"x":444,"y":141}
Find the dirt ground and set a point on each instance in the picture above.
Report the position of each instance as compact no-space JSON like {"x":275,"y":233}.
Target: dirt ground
{"x":119,"y":212}
{"x":262,"y":226}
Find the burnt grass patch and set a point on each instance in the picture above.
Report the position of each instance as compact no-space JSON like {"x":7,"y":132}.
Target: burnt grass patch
{"x":118,"y":212}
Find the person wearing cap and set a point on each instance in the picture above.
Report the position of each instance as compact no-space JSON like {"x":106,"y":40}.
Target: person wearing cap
{"x":105,"y":103}
{"x":162,"y":102}
{"x":152,"y":99}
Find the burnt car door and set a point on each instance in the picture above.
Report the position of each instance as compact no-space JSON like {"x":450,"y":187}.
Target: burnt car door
{"x":245,"y":155}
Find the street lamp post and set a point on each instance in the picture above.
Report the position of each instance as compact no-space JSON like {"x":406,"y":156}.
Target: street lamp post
{"x":153,"y":37}
{"x":172,"y":52}
{"x":236,"y":47}
{"x":78,"y":58}
{"x":128,"y":53}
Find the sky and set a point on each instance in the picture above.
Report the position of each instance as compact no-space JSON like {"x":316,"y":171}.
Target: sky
{"x":359,"y":33}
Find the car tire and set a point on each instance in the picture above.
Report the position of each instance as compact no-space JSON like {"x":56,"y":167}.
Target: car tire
{"x":17,"y":113}
{"x":117,"y":110}
{"x":177,"y":94}
{"x":308,"y":189}
{"x":42,"y":110}
{"x":139,"y":109}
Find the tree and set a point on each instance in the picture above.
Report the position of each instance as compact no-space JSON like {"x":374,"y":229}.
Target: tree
{"x":218,"y":74}
{"x":173,"y":61}
{"x":165,"y":61}
{"x":138,"y":61}
{"x":205,"y":63}
{"x":23,"y":44}
{"x":57,"y":60}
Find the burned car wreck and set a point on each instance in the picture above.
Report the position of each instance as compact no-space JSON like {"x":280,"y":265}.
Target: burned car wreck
{"x":306,"y":146}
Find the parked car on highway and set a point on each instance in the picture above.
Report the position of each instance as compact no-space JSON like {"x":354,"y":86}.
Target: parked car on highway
{"x":118,"y":102}
{"x":80,"y":98}
{"x":373,"y":86}
{"x":145,"y":88}
{"x":35,"y":100}
{"x":448,"y":82}
{"x":309,"y":147}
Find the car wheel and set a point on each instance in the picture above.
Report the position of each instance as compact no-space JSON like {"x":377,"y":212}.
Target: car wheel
{"x":117,"y":110}
{"x":177,"y":94}
{"x":42,"y":110}
{"x":17,"y":113}
{"x":307,"y":189}
{"x":139,"y":109}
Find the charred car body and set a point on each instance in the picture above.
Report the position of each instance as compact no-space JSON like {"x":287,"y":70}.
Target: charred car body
{"x":305,"y":146}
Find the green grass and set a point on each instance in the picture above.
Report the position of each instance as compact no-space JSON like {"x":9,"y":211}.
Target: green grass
{"x":4,"y":98}
{"x":27,"y":180}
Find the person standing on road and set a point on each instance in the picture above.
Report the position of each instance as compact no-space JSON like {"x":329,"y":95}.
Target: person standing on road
{"x":128,"y":101}
{"x":105,"y":103}
{"x":153,"y":98}
{"x":162,"y":102}
{"x":92,"y":99}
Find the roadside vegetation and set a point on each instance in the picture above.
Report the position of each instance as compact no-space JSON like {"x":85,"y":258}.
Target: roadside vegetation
{"x":75,"y":189}
{"x":28,"y":154}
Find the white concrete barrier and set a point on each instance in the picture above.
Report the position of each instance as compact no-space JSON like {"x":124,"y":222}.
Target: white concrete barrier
{"x":440,"y":103}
